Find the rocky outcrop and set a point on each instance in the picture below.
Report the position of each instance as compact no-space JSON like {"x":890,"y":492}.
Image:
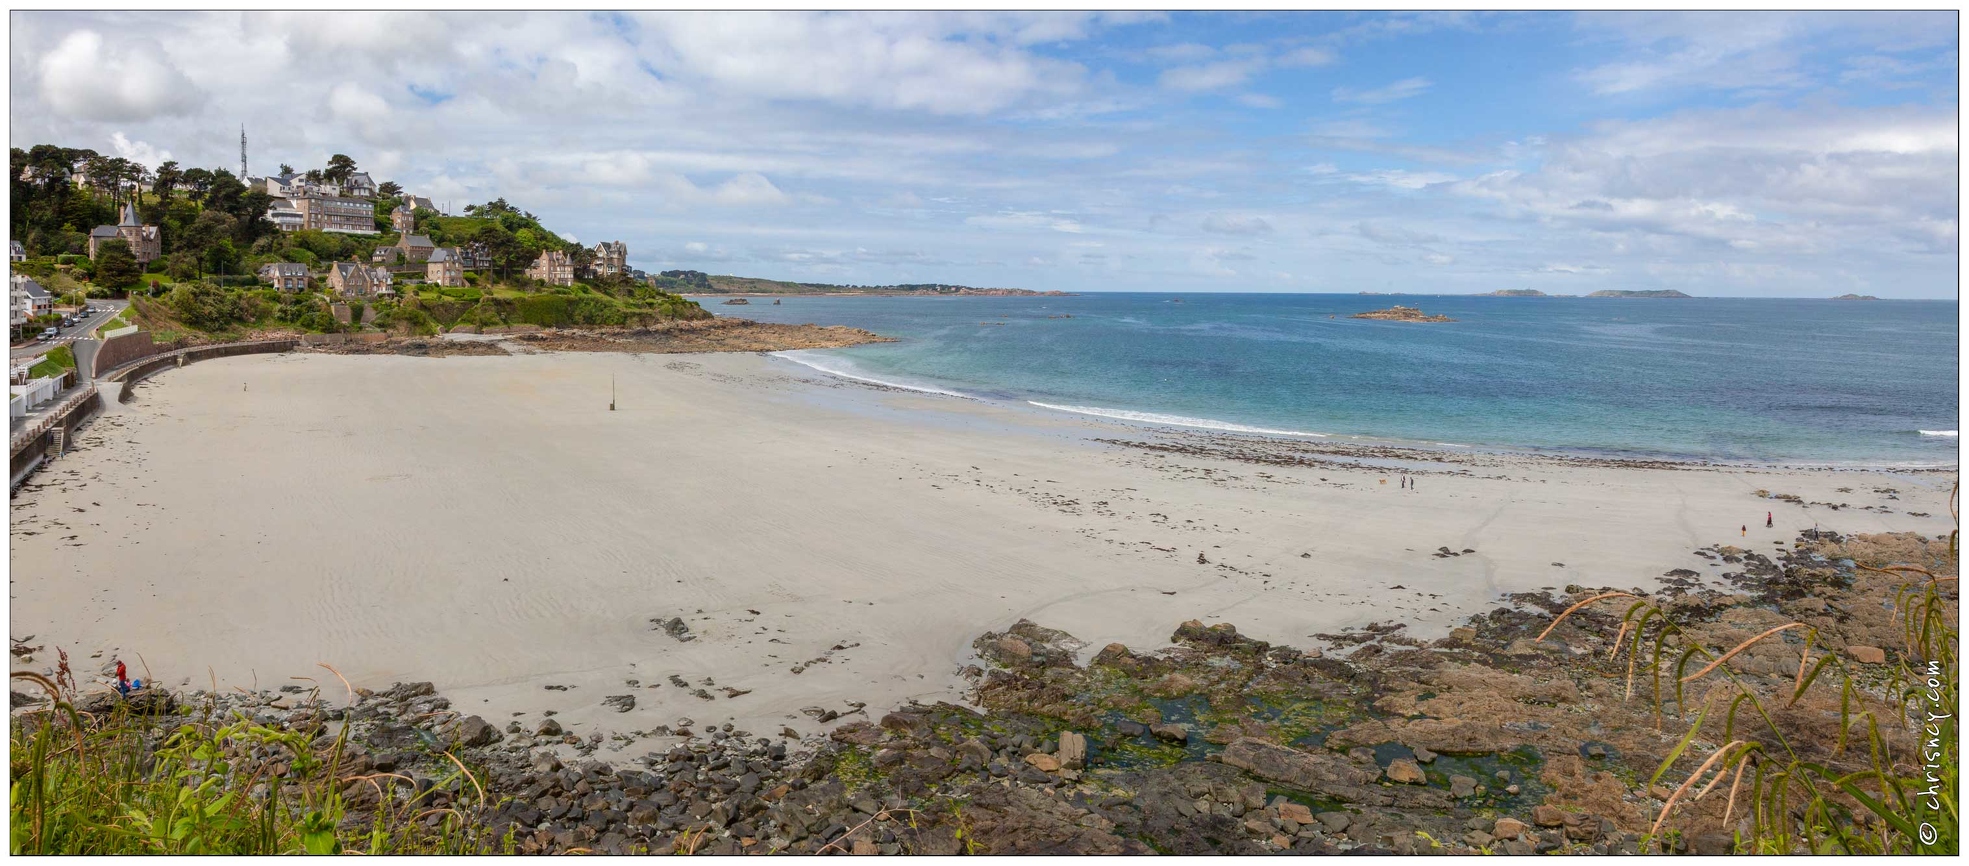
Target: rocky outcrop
{"x":1399,"y":313}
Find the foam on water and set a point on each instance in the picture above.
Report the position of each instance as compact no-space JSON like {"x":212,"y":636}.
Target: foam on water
{"x":1172,"y":420}
{"x":833,"y":367}
{"x":1947,"y":433}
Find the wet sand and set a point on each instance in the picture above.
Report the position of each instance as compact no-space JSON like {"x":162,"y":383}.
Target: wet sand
{"x":488,"y":524}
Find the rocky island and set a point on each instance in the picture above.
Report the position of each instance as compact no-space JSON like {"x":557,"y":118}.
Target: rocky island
{"x":1638,"y":293}
{"x":1399,"y":313}
{"x":1516,"y":293}
{"x":1849,"y":296}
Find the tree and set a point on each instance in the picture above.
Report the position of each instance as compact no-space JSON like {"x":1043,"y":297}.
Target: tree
{"x":220,"y":258}
{"x":502,"y":248}
{"x":198,"y":181}
{"x":313,"y":176}
{"x":389,"y":189}
{"x":286,"y":169}
{"x":340,"y":167}
{"x":167,"y":178}
{"x":115,"y":266}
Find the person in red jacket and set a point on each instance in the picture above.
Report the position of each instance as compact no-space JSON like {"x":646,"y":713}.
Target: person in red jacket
{"x":1767,"y":520}
{"x":122,"y":678}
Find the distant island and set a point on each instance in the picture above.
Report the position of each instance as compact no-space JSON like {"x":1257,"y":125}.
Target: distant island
{"x":700,"y":283}
{"x":1632,"y":293}
{"x":1852,"y":297}
{"x":1516,"y":293}
{"x":1399,"y":313}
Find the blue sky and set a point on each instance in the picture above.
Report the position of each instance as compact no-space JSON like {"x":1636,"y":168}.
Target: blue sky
{"x":1748,"y":154}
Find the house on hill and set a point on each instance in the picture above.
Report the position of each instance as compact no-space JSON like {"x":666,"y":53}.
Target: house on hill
{"x":359,"y":185}
{"x":357,"y":280}
{"x":285,"y":276}
{"x":145,"y":243}
{"x":414,"y":248}
{"x":553,"y":268}
{"x":16,"y":252}
{"x":611,"y":259}
{"x":446,"y":267}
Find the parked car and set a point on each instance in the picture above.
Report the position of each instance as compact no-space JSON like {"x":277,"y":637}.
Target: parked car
{"x":47,"y":334}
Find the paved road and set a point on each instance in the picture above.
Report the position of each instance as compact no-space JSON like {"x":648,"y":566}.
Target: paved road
{"x":35,"y":350}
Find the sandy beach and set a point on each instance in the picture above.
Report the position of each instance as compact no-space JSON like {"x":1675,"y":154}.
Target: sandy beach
{"x":486,"y":523}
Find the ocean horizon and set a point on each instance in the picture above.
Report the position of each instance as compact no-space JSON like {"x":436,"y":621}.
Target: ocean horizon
{"x":1738,"y":380}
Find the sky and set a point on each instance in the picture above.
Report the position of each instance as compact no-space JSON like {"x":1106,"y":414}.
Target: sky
{"x":1722,"y":154}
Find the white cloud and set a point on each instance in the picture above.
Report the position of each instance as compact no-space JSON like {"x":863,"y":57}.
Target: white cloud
{"x":141,"y":152}
{"x":1209,"y":76}
{"x":120,"y":80}
{"x":1236,"y":224}
{"x":1403,"y":89}
{"x":1025,"y":221}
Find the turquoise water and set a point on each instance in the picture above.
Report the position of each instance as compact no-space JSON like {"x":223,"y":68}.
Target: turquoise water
{"x":1799,"y":381}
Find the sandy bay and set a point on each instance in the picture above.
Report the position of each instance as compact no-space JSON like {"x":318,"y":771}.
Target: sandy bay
{"x":487,"y":524}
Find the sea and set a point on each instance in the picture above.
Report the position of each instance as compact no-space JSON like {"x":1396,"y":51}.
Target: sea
{"x":1759,"y":381}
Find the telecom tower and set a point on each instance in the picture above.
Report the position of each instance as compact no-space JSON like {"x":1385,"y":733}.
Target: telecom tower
{"x":242,"y":153}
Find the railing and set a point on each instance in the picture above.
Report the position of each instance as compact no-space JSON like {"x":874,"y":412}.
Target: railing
{"x":30,"y":432}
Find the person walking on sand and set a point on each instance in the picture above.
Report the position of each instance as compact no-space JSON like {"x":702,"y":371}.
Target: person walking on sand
{"x":122,"y":679}
{"x":1767,"y":520}
{"x":1746,"y":530}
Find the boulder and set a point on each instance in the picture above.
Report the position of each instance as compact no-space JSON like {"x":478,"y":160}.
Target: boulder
{"x":1406,"y":772}
{"x":1295,"y":813}
{"x":857,"y":733}
{"x":1548,"y":816}
{"x":1462,"y":786}
{"x":1508,"y":828}
{"x":548,"y":728}
{"x":472,"y":732}
{"x":906,"y":723}
{"x":621,"y":703}
{"x":1043,"y":762}
{"x":1175,"y":733}
{"x":1073,"y":750}
{"x":1322,"y":774}
{"x":1012,"y":650}
{"x":1867,"y":655}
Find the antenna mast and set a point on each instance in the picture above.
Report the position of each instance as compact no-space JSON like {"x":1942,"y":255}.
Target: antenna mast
{"x":242,"y":153}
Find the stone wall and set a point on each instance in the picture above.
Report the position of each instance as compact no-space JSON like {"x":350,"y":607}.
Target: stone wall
{"x":119,"y":350}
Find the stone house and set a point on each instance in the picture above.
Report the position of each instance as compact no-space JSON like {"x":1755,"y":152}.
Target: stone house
{"x":285,"y":276}
{"x":414,"y":248}
{"x":611,"y":259}
{"x":553,"y":268}
{"x":403,"y":220}
{"x":16,"y":252}
{"x":145,"y":243}
{"x":357,"y":280}
{"x":475,"y":256}
{"x":445,"y":267}
{"x":359,"y":186}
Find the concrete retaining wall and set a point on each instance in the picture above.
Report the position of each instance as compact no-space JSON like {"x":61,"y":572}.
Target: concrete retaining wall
{"x":129,"y":377}
{"x":34,"y":453}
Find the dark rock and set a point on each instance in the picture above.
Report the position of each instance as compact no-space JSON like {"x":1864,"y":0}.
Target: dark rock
{"x":621,"y":703}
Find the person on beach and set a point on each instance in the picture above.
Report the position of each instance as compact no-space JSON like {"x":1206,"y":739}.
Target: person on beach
{"x":122,"y":678}
{"x":1746,"y":530}
{"x":1767,"y":520}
